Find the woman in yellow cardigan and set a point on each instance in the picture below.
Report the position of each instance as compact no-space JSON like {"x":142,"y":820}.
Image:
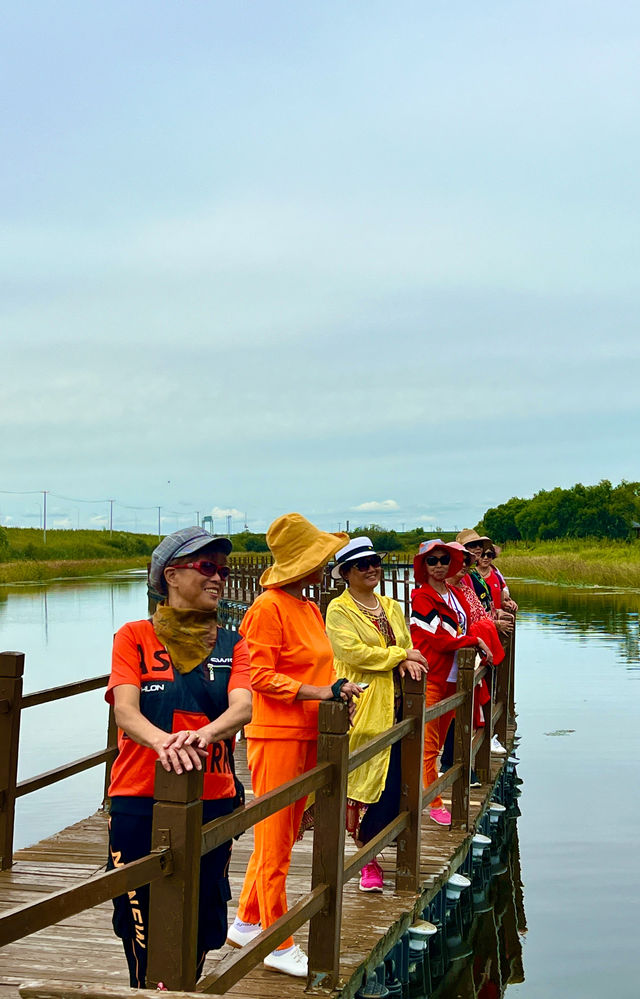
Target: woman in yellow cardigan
{"x":372,"y":647}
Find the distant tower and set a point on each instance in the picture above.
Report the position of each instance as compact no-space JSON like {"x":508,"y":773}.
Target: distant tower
{"x":207,"y":524}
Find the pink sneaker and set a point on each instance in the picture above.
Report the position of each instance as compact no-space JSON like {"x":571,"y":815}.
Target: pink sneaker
{"x":440,"y":815}
{"x":371,"y":877}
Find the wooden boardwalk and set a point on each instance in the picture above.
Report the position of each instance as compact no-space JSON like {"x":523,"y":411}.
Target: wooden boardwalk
{"x":82,"y":950}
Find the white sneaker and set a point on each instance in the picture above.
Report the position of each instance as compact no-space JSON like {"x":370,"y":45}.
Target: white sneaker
{"x":240,"y":934}
{"x":497,"y":747}
{"x":292,"y":961}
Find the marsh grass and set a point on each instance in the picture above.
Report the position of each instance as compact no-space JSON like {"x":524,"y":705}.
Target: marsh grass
{"x":35,"y":571}
{"x":595,"y":563}
{"x":607,"y":563}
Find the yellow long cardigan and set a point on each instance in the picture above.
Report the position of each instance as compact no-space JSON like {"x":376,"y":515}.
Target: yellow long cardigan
{"x":361,"y":655}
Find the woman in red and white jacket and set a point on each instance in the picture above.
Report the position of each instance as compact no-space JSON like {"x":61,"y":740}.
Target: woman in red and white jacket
{"x":440,"y":626}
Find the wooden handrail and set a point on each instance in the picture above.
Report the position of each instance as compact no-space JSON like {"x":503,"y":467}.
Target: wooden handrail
{"x":176,"y":823}
{"x":441,"y":707}
{"x":371,"y":849}
{"x":68,"y":770}
{"x":66,"y":690}
{"x":26,"y":919}
{"x":233,"y":967}
{"x":379,"y":742}
{"x":225,"y":828}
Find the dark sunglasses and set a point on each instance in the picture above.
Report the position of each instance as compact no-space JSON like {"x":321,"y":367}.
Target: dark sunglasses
{"x":371,"y":562}
{"x":438,"y":559}
{"x":488,"y":555}
{"x":206,"y":568}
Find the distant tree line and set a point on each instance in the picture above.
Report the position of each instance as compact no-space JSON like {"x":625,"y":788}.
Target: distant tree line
{"x":600,"y":511}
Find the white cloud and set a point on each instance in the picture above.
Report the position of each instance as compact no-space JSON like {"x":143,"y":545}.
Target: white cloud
{"x":61,"y":522}
{"x":377,"y":506}
{"x":425,"y":519}
{"x":231,"y":511}
{"x":101,"y":520}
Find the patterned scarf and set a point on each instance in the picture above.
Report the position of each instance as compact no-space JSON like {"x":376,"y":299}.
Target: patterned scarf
{"x":186,"y":634}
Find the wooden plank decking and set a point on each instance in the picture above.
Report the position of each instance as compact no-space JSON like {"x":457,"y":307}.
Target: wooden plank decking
{"x":83,"y":949}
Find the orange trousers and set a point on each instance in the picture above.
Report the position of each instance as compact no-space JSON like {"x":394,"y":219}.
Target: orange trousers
{"x":273,"y":762}
{"x":435,"y":732}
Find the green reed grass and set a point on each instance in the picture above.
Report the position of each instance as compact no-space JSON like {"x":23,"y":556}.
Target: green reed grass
{"x":32,"y":571}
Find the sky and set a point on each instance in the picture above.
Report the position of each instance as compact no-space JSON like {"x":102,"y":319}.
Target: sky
{"x":372,"y":262}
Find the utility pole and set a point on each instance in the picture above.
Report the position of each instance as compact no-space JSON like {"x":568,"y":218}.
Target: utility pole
{"x":158,"y":523}
{"x":110,"y":518}
{"x":197,"y":518}
{"x":44,"y":516}
{"x":228,"y":525}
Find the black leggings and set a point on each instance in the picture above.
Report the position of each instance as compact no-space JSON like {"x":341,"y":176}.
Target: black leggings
{"x":130,"y":839}
{"x":387,"y":807}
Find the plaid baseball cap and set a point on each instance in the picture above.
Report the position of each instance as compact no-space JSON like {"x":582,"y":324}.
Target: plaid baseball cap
{"x":186,"y":541}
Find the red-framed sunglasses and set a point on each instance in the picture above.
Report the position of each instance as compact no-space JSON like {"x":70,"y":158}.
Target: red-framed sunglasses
{"x":205,"y":568}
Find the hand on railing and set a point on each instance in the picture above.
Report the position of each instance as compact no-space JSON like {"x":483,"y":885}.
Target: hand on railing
{"x":182,"y":751}
{"x":415,"y":665}
{"x":485,"y":651}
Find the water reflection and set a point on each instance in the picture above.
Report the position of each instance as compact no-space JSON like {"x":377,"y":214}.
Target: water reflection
{"x":495,"y":938}
{"x":586,"y":613}
{"x":65,"y":628}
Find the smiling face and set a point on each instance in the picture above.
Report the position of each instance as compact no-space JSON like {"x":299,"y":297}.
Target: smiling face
{"x":485,"y":560}
{"x":362,"y":574}
{"x":188,"y":589}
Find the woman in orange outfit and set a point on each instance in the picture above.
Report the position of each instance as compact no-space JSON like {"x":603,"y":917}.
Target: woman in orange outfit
{"x":291,"y":671}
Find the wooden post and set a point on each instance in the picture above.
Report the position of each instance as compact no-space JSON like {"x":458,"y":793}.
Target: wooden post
{"x":463,"y":739}
{"x":11,"y":670}
{"x":512,"y":675}
{"x":328,"y":845}
{"x":483,"y":756}
{"x":173,"y":905}
{"x":412,"y":748}
{"x":502,"y":691}
{"x":112,"y":740}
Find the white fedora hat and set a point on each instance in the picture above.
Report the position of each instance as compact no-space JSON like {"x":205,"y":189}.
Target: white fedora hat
{"x":356,"y":549}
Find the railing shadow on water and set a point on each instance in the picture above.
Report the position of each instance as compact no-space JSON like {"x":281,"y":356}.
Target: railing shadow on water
{"x":179,"y":839}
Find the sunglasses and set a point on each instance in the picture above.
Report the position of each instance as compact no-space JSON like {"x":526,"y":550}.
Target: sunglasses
{"x":206,"y":568}
{"x":371,"y":562}
{"x":438,"y":559}
{"x":488,"y":555}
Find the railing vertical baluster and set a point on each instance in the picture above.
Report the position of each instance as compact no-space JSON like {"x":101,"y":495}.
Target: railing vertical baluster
{"x":394,"y":583}
{"x":328,"y":844}
{"x":502,"y":691}
{"x":112,"y":740}
{"x":462,"y":742}
{"x":512,"y":676}
{"x":408,"y":876}
{"x":483,"y":756}
{"x":173,"y":905}
{"x":11,"y":670}
{"x":406,"y":595}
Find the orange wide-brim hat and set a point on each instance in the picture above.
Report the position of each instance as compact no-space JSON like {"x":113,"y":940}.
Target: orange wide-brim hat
{"x":298,"y":547}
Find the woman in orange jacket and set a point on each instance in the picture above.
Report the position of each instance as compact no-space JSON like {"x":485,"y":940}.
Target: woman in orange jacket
{"x":291,"y":663}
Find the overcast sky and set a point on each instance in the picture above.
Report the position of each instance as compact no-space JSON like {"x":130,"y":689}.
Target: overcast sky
{"x":364,"y":260}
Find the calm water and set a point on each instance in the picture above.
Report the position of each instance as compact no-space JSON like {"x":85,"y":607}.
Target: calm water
{"x":579,"y":712}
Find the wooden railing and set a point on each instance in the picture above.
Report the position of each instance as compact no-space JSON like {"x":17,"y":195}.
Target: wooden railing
{"x":179,"y":839}
{"x":12,"y":703}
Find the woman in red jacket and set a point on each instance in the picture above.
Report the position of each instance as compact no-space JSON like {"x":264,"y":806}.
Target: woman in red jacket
{"x":440,"y":627}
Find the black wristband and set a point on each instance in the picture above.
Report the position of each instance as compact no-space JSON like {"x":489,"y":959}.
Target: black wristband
{"x":337,"y":687}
